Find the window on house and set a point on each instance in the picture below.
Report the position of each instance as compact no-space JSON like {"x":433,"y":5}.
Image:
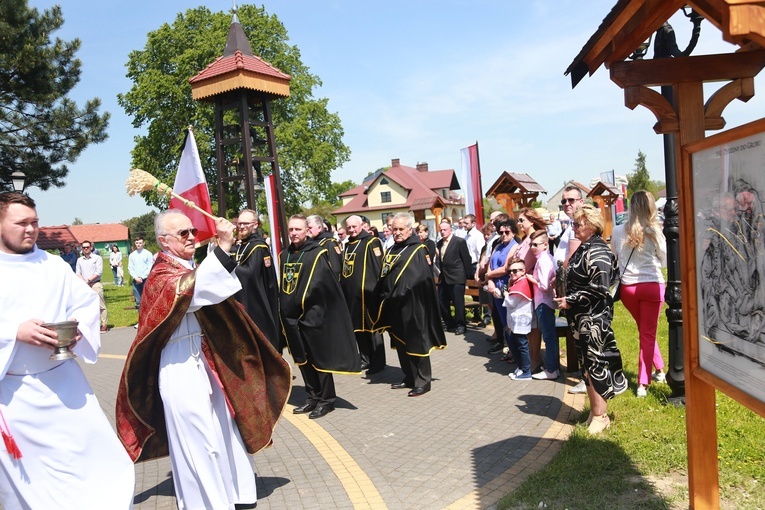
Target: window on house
{"x":383,"y":181}
{"x":385,"y":196}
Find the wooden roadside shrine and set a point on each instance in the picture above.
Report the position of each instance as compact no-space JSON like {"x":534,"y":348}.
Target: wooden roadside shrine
{"x":514,"y":191}
{"x":687,"y":116}
{"x":605,"y":196}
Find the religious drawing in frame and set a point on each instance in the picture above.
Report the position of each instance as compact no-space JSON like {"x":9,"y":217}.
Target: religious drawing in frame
{"x":728,"y":185}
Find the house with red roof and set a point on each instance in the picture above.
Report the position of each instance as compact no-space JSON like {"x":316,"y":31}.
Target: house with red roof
{"x":103,"y":235}
{"x":54,"y":238}
{"x":428,"y":195}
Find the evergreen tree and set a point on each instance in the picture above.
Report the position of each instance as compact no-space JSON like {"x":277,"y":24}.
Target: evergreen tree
{"x":40,"y":127}
{"x":640,"y":178}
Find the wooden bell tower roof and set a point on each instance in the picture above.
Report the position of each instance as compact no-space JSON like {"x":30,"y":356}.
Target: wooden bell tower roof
{"x":237,"y":69}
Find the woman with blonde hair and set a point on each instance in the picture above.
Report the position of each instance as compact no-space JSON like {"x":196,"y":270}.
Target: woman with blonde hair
{"x":590,"y":309}
{"x":641,"y":249}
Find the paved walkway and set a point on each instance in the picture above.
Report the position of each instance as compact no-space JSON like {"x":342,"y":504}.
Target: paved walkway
{"x":474,"y":438}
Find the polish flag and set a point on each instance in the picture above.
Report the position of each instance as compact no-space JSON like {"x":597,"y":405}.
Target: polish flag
{"x":190,"y":183}
{"x":471,"y":183}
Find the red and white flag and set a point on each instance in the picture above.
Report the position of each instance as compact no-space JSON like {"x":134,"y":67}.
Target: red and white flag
{"x":190,"y":183}
{"x":470,"y":180}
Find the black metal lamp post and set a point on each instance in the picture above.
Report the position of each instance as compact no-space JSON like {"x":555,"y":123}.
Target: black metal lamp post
{"x":665,"y":46}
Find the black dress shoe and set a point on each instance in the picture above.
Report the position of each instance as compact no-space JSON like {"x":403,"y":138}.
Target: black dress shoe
{"x":400,"y":386}
{"x":418,"y":391}
{"x":320,"y":411}
{"x":305,"y":408}
{"x":364,"y":366}
{"x":374,"y":370}
{"x":460,"y":330}
{"x":496,"y":348}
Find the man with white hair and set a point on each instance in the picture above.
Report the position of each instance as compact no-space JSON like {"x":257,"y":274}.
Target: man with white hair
{"x":318,"y":232}
{"x":197,"y":362}
{"x":406,"y":306}
{"x":362,"y":259}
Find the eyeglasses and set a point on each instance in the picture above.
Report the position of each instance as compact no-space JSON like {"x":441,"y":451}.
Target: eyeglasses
{"x":521,"y":220}
{"x":244,"y":224}
{"x":505,"y":232}
{"x":577,"y":225}
{"x":569,"y":200}
{"x":184,"y":234}
{"x":514,"y":271}
{"x":537,"y":245}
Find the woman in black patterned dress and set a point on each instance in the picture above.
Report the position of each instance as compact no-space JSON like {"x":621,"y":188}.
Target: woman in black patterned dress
{"x":591,"y":269}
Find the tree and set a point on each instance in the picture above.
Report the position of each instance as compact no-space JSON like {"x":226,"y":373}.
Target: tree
{"x":40,"y":127}
{"x":308,"y":137}
{"x":77,"y":221}
{"x":143,"y":226}
{"x":640,"y":178}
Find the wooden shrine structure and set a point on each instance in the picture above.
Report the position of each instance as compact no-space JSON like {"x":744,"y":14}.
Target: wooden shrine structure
{"x":605,"y":196}
{"x":686,"y":115}
{"x":514,"y":191}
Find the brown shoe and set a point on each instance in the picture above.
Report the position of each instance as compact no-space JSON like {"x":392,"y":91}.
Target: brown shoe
{"x":104,"y":329}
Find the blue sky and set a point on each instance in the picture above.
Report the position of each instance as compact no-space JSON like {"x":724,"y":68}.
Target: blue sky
{"x":411,"y":79}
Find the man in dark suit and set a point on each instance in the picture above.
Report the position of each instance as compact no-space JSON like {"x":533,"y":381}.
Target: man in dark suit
{"x":455,"y":265}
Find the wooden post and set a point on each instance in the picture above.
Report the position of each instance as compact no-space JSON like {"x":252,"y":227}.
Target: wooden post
{"x":700,"y":417}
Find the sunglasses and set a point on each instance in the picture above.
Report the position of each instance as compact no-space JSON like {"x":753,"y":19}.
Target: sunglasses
{"x":537,"y":245}
{"x":576,"y":225}
{"x":184,"y":234}
{"x":505,"y":232}
{"x":521,"y":220}
{"x":569,"y":200}
{"x":86,"y":247}
{"x":514,"y":271}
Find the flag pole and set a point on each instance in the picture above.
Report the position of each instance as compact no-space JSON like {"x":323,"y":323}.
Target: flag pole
{"x":480,"y":216}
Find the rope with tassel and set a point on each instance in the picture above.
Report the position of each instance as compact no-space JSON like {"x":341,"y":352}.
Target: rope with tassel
{"x":10,"y":442}
{"x":140,"y":180}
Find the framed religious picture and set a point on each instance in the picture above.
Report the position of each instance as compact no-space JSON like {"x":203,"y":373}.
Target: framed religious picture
{"x":727,"y":241}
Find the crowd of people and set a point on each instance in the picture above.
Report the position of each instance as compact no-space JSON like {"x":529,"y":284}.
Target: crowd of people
{"x":205,"y":380}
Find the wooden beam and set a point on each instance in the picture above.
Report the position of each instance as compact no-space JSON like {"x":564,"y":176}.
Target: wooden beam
{"x":704,"y":68}
{"x":658,"y":104}
{"x":742,"y":89}
{"x":701,"y":420}
{"x":747,"y":20}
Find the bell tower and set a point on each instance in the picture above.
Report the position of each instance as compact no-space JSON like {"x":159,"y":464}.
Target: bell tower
{"x":241,"y":86}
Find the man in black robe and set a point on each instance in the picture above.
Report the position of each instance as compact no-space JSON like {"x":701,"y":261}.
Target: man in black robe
{"x":315,"y":319}
{"x":362,"y":259}
{"x":319,"y":233}
{"x":256,"y":271}
{"x":408,"y":306}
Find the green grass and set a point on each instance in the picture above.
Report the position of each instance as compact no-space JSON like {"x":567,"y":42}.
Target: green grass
{"x":119,"y":300}
{"x":646,"y":442}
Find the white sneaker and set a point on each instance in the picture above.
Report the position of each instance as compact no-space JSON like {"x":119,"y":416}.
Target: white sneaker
{"x":659,"y":376}
{"x":641,"y":392}
{"x":544,"y":375}
{"x":579,"y":388}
